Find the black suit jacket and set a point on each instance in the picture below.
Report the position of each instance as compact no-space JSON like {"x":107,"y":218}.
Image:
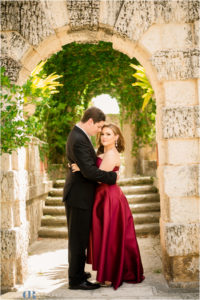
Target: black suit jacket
{"x":80,"y":186}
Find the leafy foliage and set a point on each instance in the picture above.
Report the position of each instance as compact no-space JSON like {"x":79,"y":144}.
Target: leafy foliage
{"x":143,"y":82}
{"x":88,"y":71}
{"x":16,"y":125}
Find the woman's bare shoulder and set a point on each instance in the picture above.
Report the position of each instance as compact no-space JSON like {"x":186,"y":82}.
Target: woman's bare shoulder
{"x":114,"y":155}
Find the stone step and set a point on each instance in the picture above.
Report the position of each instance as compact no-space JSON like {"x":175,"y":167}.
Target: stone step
{"x":55,"y":192}
{"x":56,"y":201}
{"x":61,"y":232}
{"x":147,"y":229}
{"x":135,"y":208}
{"x":140,"y":198}
{"x":143,"y":218}
{"x":143,"y":198}
{"x":122,"y":182}
{"x":145,"y":207}
{"x":53,"y":232}
{"x":135,"y":181}
{"x":139,"y":189}
{"x":50,"y":221}
{"x":54,"y":210}
{"x":59,"y":183}
{"x":139,"y":218}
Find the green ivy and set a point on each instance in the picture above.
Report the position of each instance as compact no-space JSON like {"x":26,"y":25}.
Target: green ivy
{"x":89,"y":70}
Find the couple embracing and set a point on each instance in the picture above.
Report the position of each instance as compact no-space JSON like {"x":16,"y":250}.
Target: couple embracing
{"x":100,"y":224}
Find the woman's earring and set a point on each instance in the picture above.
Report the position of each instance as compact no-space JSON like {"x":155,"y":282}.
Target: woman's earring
{"x":116,"y":144}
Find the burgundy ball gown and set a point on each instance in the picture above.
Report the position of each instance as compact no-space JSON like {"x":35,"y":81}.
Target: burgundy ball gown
{"x":113,"y":249}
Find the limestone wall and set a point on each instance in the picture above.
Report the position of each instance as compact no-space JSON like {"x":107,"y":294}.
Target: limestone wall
{"x":164,"y":37}
{"x":24,"y":185}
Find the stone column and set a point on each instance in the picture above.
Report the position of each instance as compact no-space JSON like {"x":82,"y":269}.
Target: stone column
{"x":14,"y":227}
{"x":24,"y":186}
{"x":178,"y":171}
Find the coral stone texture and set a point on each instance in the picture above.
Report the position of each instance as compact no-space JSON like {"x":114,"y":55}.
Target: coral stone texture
{"x":164,"y":36}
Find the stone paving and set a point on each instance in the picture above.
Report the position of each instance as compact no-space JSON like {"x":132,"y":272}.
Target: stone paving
{"x":47,"y":277}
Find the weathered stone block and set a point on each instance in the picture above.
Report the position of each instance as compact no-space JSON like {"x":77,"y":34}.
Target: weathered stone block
{"x":180,"y":121}
{"x":56,"y":12}
{"x":167,"y":36}
{"x":6,"y":215}
{"x":7,"y":186}
{"x":180,"y":92}
{"x":181,"y":181}
{"x":162,"y":152}
{"x":19,"y":159}
{"x":6,"y":162}
{"x":177,"y":64}
{"x":185,"y":267}
{"x":13,"y":45}
{"x":8,"y":243}
{"x":183,"y":151}
{"x":14,"y":245}
{"x":19,"y":213}
{"x":34,"y":212}
{"x":181,"y":239}
{"x":196,"y":32}
{"x":13,"y":185}
{"x":83,"y":14}
{"x":26,"y":17}
{"x":184,"y":210}
{"x":109,"y":11}
{"x":12,"y":67}
{"x":135,"y":17}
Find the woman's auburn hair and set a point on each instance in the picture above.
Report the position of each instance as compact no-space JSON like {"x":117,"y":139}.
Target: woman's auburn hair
{"x":120,"y":141}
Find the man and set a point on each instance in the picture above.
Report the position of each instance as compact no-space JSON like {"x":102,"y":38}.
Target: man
{"x":79,"y":193}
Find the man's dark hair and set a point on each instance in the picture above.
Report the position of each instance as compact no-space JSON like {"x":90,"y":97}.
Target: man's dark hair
{"x":95,"y":114}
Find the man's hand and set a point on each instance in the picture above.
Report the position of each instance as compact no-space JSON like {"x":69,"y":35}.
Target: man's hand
{"x":118,"y":175}
{"x":75,"y":168}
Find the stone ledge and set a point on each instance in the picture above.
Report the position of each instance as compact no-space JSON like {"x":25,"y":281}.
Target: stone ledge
{"x":38,"y":190}
{"x":178,"y":122}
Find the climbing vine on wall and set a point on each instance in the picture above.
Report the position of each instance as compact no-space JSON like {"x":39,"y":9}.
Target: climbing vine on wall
{"x":89,"y":70}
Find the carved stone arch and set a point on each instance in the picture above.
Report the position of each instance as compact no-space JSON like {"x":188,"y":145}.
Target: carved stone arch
{"x":164,"y":37}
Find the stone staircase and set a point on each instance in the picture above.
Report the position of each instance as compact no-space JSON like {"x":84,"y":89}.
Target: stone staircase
{"x":140,"y":192}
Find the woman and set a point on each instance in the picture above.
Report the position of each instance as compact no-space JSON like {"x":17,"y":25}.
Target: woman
{"x":113,"y":250}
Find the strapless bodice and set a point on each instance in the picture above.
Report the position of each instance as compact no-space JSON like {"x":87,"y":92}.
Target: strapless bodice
{"x":99,"y":160}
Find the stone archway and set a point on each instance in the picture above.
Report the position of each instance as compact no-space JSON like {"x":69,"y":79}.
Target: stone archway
{"x":163,"y":36}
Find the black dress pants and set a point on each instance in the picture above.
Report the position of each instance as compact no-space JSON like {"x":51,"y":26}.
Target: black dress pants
{"x":78,"y":222}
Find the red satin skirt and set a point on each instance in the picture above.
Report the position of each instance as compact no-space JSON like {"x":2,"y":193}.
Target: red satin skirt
{"x":113,"y":249}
